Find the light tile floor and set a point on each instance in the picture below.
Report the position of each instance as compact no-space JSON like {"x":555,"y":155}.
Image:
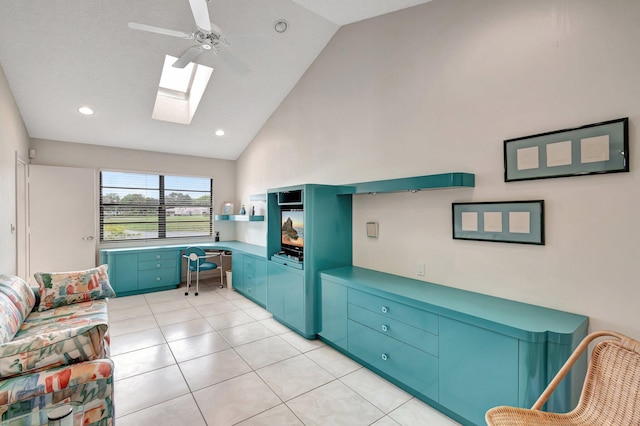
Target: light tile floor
{"x":219,"y":359}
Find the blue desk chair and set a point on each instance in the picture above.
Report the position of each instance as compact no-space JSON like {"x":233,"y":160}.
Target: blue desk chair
{"x":196,"y":262}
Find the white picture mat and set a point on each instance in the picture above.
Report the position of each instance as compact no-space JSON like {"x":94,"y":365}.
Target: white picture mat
{"x":520,"y":222}
{"x":527,"y":158}
{"x":559,"y":154}
{"x":595,"y":149}
{"x":469,"y":221}
{"x":492,"y":221}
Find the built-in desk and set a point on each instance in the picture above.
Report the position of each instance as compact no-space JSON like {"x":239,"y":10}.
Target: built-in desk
{"x":135,"y":270}
{"x":460,"y":351}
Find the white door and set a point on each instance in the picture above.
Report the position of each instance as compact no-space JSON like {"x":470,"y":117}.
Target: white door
{"x":62,"y":210}
{"x":22,"y":219}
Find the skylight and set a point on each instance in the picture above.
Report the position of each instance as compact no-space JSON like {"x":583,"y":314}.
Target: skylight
{"x":180,"y":91}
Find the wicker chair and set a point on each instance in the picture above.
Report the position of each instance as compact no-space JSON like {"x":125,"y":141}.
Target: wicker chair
{"x":610,"y":395}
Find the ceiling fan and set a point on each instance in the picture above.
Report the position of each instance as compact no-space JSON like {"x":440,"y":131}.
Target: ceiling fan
{"x":207,"y":35}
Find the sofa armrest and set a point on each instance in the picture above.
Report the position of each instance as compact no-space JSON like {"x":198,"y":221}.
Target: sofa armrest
{"x":90,"y":383}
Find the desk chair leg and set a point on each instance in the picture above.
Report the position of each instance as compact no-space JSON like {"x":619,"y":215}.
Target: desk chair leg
{"x":197,"y":278}
{"x":186,"y":293}
{"x":221,"y":270}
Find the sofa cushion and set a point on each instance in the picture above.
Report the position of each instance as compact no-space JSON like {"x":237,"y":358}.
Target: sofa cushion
{"x":19,"y":292}
{"x":64,"y":288}
{"x":10,"y":319}
{"x":61,"y":336}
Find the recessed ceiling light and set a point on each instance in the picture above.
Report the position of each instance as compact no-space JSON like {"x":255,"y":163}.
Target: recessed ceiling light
{"x":219,"y":132}
{"x":281,"y":25}
{"x":85,"y":110}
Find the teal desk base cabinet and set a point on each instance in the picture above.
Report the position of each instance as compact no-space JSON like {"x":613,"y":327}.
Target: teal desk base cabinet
{"x":459,"y":351}
{"x":250,"y":276}
{"x":142,"y":271}
{"x":136,"y":270}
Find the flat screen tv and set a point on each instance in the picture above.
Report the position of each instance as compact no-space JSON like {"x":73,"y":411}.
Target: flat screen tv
{"x":292,"y":232}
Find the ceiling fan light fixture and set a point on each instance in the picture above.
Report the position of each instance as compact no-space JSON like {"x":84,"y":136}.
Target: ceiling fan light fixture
{"x":220,"y":132}
{"x":85,"y":110}
{"x":281,"y":26}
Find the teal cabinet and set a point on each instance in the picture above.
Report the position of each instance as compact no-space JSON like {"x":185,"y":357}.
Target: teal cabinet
{"x":250,"y":276}
{"x":285,"y":295}
{"x":254,"y":278}
{"x":478,"y":369}
{"x":461,"y":352}
{"x":327,"y":234}
{"x":333,"y":313}
{"x":133,"y":271}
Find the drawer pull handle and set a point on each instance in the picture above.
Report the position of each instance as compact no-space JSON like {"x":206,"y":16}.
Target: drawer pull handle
{"x":157,"y":256}
{"x":384,"y":309}
{"x":157,"y":278}
{"x":384,"y":327}
{"x":158,"y":265}
{"x":385,"y":357}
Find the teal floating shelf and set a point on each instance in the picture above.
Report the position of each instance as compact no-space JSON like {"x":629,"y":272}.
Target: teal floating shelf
{"x":239,"y":218}
{"x":417,"y":183}
{"x":258,"y":197}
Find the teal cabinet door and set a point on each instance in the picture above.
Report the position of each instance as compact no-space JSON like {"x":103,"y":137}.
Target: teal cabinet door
{"x":333,"y":313}
{"x":123,"y":270}
{"x":237,"y":270}
{"x":285,"y":294}
{"x":478,"y":369}
{"x":293,"y":282}
{"x":260,"y":281}
{"x":275,"y":290}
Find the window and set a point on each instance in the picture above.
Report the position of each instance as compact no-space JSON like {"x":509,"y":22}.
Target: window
{"x":180,"y":91}
{"x":136,"y":206}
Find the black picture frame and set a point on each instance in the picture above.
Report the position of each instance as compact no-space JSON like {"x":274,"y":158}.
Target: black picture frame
{"x":520,"y":222}
{"x":592,"y":149}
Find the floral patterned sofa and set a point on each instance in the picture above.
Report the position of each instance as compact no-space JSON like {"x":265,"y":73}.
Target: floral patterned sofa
{"x":54,"y":346}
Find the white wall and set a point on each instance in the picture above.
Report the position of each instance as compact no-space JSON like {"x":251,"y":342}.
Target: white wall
{"x":56,"y":153}
{"x":13,"y":138}
{"x":438,"y":88}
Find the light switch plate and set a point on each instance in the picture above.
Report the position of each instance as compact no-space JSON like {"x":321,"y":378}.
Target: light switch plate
{"x":372,"y":229}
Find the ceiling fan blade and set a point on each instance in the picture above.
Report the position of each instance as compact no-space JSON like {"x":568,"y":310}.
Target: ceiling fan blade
{"x":201,"y":14}
{"x":188,"y":56}
{"x":158,"y":30}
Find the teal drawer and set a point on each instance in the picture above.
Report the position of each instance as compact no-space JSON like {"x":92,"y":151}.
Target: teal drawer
{"x":157,"y":264}
{"x":249,"y":270}
{"x":405,"y":363}
{"x":157,"y":278}
{"x":397,"y":311}
{"x":157,"y":255}
{"x":389,"y":327}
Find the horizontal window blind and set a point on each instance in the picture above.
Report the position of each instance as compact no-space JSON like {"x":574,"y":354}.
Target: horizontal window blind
{"x":135,"y":206}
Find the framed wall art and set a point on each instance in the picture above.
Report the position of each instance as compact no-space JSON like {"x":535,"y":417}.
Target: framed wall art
{"x":227,"y":207}
{"x":500,"y":221}
{"x":595,"y":148}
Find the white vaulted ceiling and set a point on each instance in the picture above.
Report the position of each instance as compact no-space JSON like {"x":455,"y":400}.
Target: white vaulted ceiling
{"x":59,"y":55}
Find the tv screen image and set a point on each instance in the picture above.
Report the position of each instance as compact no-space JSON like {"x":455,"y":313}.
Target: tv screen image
{"x":293,"y":229}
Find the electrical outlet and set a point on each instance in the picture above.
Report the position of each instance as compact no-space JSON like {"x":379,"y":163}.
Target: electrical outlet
{"x":420,"y":269}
